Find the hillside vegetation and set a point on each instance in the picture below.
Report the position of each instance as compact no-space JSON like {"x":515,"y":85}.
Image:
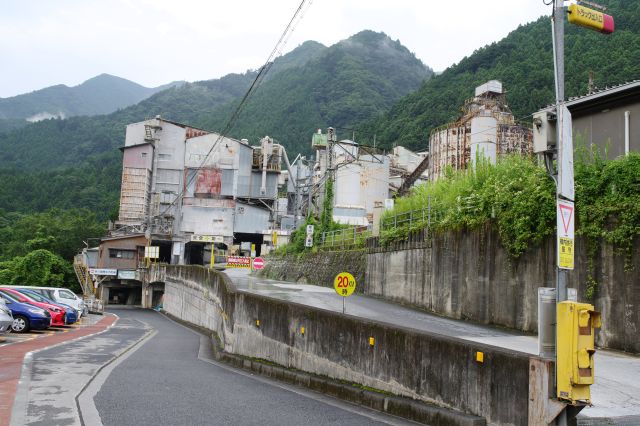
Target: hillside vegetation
{"x":312,"y":86}
{"x":523,"y":62}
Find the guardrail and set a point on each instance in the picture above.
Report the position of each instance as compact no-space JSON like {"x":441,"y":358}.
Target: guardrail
{"x":345,"y":238}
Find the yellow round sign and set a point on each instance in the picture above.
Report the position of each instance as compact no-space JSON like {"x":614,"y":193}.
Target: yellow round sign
{"x":344,"y":284}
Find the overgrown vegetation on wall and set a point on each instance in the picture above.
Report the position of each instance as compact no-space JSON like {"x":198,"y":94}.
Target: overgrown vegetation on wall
{"x":516,"y":194}
{"x":519,"y":197}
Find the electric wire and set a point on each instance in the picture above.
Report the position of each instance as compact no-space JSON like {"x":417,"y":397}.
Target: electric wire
{"x":252,"y":89}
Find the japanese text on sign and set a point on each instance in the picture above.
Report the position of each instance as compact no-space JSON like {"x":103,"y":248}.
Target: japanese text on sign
{"x":344,"y":284}
{"x":565,"y":224}
{"x":238,"y":262}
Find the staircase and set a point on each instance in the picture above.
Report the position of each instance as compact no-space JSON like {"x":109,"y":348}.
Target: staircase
{"x":82,"y":273}
{"x":410,"y":180}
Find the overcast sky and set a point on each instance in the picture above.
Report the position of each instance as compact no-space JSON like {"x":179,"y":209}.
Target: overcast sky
{"x":152,"y":42}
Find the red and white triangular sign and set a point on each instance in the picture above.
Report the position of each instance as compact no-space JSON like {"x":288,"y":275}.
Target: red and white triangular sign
{"x":565,"y":218}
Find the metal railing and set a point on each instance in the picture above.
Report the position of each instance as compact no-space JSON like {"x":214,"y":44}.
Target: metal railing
{"x":424,"y":217}
{"x":345,"y":238}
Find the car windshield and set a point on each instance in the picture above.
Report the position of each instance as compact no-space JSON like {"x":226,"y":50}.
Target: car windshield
{"x":66,"y":294}
{"x":35,"y":296}
{"x":8,"y":296}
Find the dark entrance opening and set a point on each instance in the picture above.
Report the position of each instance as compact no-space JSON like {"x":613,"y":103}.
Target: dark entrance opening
{"x":257,"y":239}
{"x":194,"y":253}
{"x":125,"y":296}
{"x":165,"y":250}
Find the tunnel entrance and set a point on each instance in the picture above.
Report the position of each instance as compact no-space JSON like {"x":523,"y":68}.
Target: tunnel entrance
{"x":194,"y":253}
{"x":125,"y":296}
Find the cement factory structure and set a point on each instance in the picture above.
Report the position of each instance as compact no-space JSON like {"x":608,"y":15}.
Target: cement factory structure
{"x":486,"y":128}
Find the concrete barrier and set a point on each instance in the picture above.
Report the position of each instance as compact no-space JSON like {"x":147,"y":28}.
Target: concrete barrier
{"x":423,"y":366}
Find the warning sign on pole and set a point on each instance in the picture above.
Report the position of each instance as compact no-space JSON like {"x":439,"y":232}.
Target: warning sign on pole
{"x":566,"y":241}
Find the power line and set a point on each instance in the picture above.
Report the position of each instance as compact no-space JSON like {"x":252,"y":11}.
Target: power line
{"x":277,"y":50}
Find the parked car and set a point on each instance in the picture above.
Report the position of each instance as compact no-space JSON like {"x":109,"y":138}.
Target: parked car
{"x":71,"y":315}
{"x":6,"y":318}
{"x":57,"y":314}
{"x":58,"y":295}
{"x":26,"y":316}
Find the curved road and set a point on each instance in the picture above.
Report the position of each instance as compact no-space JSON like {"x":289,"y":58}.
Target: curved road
{"x":163,"y":382}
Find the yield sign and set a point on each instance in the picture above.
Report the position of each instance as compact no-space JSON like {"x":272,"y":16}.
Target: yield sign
{"x":565,"y":219}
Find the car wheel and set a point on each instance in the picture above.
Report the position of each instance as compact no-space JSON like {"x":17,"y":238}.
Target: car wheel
{"x":20,"y":324}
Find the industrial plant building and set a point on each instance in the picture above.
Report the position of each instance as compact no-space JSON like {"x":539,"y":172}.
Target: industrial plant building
{"x":190,"y":194}
{"x":486,"y":128}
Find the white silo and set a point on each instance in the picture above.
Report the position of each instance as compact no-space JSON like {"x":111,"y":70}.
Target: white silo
{"x":484,"y":134}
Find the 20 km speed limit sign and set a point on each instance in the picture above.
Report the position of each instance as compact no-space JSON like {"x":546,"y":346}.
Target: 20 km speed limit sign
{"x":344,"y":284}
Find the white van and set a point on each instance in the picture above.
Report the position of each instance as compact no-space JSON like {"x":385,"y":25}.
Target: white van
{"x":59,"y":295}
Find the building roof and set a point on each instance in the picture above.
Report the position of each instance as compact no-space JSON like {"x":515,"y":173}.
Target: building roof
{"x":601,"y":99}
{"x":122,"y":148}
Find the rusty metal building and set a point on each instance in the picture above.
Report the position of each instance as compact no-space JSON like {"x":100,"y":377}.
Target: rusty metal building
{"x":486,"y":128}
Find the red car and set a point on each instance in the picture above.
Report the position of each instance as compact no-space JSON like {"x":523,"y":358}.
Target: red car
{"x":57,"y":313}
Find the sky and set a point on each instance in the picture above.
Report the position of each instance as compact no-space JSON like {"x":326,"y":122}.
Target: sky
{"x":153,"y":42}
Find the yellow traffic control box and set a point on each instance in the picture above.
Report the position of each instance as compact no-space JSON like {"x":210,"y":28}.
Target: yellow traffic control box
{"x":576,"y":324}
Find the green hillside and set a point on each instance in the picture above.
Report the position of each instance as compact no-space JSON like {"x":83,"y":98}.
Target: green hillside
{"x":349,"y":82}
{"x":75,"y":162}
{"x":523,"y":62}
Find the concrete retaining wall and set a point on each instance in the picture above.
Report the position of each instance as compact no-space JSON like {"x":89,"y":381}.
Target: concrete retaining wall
{"x":468,"y":275}
{"x":316,"y":268}
{"x":422,"y":366}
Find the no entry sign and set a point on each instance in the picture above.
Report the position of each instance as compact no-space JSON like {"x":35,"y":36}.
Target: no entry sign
{"x":258,"y":263}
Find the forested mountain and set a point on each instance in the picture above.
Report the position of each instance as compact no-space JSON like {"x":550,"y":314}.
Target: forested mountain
{"x":99,"y":95}
{"x":312,"y":86}
{"x":523,"y":62}
{"x":351,"y":81}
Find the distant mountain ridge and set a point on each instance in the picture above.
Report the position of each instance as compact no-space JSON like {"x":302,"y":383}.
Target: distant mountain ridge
{"x":102,"y":94}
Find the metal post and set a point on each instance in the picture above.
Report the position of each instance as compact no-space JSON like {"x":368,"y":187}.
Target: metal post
{"x":429,"y":212}
{"x":344,"y":305}
{"x":558,"y":61}
{"x":558,"y":45}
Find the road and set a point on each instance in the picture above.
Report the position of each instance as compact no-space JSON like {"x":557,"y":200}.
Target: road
{"x":146,"y":370}
{"x":616,"y":392}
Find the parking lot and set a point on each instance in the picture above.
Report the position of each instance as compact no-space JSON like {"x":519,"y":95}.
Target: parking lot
{"x":12,"y":338}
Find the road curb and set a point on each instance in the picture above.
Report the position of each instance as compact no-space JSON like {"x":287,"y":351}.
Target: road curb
{"x":389,"y":404}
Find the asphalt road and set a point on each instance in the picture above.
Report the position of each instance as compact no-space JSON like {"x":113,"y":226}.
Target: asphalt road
{"x":164,"y":383}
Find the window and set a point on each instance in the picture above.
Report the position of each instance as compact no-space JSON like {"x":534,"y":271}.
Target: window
{"x":122,"y":254}
{"x":66,"y":294}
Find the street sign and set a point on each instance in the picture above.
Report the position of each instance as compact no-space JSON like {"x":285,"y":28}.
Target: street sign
{"x":344,"y":284}
{"x":274,"y":238}
{"x":566,"y":241}
{"x":258,"y":263}
{"x":308,"y":242}
{"x":310,"y":229}
{"x":238,"y":262}
{"x":103,"y":271}
{"x":591,"y":19}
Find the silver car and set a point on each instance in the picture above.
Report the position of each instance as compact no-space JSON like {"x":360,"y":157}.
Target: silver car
{"x":6,"y":319}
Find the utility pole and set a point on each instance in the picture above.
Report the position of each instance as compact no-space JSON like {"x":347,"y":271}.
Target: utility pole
{"x":558,"y":44}
{"x":558,"y":61}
